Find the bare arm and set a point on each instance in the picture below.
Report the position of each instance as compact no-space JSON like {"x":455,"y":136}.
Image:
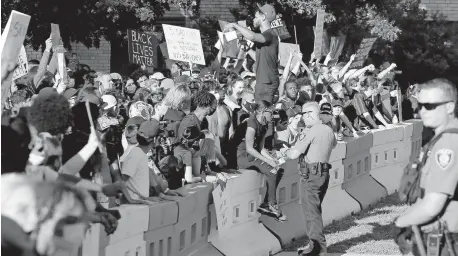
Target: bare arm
{"x":248,"y":34}
{"x":347,"y":66}
{"x":249,"y":141}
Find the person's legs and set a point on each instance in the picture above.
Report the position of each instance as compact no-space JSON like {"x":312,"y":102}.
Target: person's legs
{"x":315,"y":190}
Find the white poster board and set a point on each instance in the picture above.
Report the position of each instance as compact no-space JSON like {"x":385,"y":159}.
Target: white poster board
{"x":319,"y":28}
{"x":184,"y":44}
{"x":223,"y":210}
{"x":23,"y":65}
{"x":10,"y":45}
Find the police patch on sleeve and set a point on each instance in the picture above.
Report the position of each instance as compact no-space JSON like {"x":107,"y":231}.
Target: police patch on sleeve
{"x":444,"y":157}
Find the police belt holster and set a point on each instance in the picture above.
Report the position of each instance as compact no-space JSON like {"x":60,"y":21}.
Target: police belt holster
{"x":317,"y":169}
{"x":438,"y":237}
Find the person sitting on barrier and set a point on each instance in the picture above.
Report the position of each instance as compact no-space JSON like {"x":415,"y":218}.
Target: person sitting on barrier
{"x":251,"y":154}
{"x":185,"y":151}
{"x":340,"y":119}
{"x":314,"y":150}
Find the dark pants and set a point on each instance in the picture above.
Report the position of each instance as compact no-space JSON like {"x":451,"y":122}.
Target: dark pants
{"x":315,"y":189}
{"x":259,"y":166}
{"x":265,"y":91}
{"x":444,"y":251}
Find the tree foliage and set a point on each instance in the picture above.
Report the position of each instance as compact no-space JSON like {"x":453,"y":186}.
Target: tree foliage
{"x":87,"y":21}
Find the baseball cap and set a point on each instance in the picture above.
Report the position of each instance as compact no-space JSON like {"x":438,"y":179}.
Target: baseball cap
{"x":158,"y":76}
{"x":115,"y":76}
{"x":247,"y":73}
{"x":110,"y":101}
{"x":70,"y":92}
{"x":337,"y":102}
{"x":269,"y":11}
{"x":149,"y":129}
{"x":326,"y":108}
{"x":136,"y":120}
{"x":167,"y":84}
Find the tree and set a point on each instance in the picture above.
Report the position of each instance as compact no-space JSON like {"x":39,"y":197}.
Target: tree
{"x":87,"y":21}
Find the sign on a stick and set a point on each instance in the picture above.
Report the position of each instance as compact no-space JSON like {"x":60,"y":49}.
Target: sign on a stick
{"x":363,"y":52}
{"x":319,"y":27}
{"x":23,"y":65}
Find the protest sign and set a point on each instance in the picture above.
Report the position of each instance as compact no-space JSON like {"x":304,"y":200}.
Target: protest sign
{"x":10,"y":45}
{"x":363,"y":52}
{"x":222,"y":202}
{"x":279,"y":28}
{"x":142,"y":48}
{"x":23,"y":65}
{"x":184,"y":44}
{"x":222,"y":24}
{"x":284,"y":52}
{"x":58,"y":48}
{"x":319,"y":27}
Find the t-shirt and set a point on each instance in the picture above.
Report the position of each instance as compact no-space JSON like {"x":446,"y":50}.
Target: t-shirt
{"x":266,"y":65}
{"x":135,"y":165}
{"x":188,"y":121}
{"x":316,"y":143}
{"x":260,"y":132}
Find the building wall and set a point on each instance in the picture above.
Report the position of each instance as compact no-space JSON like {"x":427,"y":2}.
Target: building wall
{"x":97,"y":58}
{"x":218,"y":8}
{"x":447,"y":7}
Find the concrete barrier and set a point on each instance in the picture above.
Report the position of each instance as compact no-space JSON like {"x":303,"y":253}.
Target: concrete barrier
{"x":363,"y":170}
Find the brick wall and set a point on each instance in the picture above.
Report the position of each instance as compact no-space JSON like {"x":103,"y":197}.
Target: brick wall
{"x":447,"y":7}
{"x":218,"y":8}
{"x":97,"y":58}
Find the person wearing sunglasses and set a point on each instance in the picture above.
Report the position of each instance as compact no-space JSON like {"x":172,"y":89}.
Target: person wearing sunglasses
{"x":434,"y":207}
{"x":313,"y":149}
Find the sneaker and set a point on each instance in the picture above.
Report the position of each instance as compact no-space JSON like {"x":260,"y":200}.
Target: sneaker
{"x":275,"y":210}
{"x":305,"y":250}
{"x":272,"y":210}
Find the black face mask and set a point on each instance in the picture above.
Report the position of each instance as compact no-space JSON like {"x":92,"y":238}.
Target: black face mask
{"x":249,"y":106}
{"x":303,"y":98}
{"x":194,"y":145}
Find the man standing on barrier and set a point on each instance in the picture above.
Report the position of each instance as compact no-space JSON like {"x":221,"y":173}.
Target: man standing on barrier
{"x":431,"y":183}
{"x":314,"y":148}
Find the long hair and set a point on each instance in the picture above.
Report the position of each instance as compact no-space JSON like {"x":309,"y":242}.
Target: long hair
{"x":178,"y":98}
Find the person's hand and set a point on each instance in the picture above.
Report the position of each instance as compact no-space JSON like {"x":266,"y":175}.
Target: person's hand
{"x":371,"y":67}
{"x":352,"y":57}
{"x":394,"y":93}
{"x":153,"y":199}
{"x":48,"y":43}
{"x":143,"y":66}
{"x":109,"y":222}
{"x":229,"y":27}
{"x":355,"y":134}
{"x":272,"y":163}
{"x":312,"y":57}
{"x":393,"y":66}
{"x":93,"y":138}
{"x":381,"y":127}
{"x":173,"y":193}
{"x":203,"y":176}
{"x":113,"y":189}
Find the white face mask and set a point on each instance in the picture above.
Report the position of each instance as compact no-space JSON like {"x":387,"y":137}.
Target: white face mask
{"x":35,"y":159}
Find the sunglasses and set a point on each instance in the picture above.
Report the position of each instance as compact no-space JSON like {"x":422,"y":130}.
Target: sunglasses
{"x":431,"y":106}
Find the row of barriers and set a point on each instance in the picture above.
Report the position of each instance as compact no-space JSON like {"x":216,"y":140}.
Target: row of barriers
{"x":208,"y":221}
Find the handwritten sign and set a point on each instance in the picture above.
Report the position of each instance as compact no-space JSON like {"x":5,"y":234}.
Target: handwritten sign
{"x":10,"y":45}
{"x":319,"y":27}
{"x":223,"y":209}
{"x":142,"y":48}
{"x":58,"y":47}
{"x":363,"y":52}
{"x":184,"y":44}
{"x":279,"y":28}
{"x":23,"y":66}
{"x":284,"y":52}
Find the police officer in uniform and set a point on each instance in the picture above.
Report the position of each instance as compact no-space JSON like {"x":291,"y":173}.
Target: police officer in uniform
{"x":313,"y":149}
{"x":435,"y":211}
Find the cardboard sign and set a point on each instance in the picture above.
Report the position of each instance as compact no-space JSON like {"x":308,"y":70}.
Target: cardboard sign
{"x":319,"y":27}
{"x":223,"y":209}
{"x":184,"y":44}
{"x":279,"y":28}
{"x":142,"y":48}
{"x":58,"y":48}
{"x":10,"y":45}
{"x":363,"y":52}
{"x":284,"y":52}
{"x":23,"y":65}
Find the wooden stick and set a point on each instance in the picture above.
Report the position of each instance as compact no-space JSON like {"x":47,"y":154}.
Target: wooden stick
{"x":295,"y":34}
{"x":89,"y":115}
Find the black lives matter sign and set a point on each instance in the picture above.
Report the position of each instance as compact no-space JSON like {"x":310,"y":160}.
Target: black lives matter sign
{"x":142,"y":48}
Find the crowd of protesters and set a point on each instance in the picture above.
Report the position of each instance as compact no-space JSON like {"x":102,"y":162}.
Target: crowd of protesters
{"x":138,"y":139}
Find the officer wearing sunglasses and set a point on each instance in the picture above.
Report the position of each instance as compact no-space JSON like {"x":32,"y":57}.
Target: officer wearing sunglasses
{"x":434,"y":206}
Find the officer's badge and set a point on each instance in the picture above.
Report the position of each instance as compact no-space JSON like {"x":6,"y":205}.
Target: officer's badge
{"x":444,"y":157}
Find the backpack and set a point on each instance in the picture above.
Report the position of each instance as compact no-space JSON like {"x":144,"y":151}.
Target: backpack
{"x":409,"y":190}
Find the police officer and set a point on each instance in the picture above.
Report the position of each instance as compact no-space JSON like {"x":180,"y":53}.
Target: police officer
{"x":436,"y":210}
{"x":314,"y":149}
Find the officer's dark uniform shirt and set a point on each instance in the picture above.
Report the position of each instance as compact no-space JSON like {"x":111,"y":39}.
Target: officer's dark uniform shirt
{"x":440,"y":174}
{"x":321,"y":140}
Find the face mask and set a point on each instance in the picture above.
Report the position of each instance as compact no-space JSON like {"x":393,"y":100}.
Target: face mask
{"x":249,"y":106}
{"x":35,"y":159}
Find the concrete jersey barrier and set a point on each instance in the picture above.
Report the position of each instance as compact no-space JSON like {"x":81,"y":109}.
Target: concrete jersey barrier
{"x":364,"y":170}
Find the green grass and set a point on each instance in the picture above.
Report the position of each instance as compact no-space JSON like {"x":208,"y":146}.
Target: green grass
{"x":366,"y":232}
